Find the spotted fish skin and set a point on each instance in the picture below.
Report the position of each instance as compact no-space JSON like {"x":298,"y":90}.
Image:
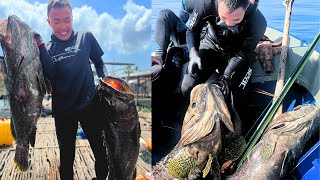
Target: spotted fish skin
{"x":182,"y":165}
{"x":281,"y":145}
{"x":200,"y":140}
{"x":122,"y":128}
{"x":25,"y":84}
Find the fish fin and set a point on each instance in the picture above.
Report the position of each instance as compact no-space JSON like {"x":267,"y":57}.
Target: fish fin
{"x":224,"y":113}
{"x":182,"y":164}
{"x":234,"y":148}
{"x":284,"y":162}
{"x":207,"y":168}
{"x":227,"y":122}
{"x":21,"y":157}
{"x":32,"y":137}
{"x":262,"y":151}
{"x":13,"y":130}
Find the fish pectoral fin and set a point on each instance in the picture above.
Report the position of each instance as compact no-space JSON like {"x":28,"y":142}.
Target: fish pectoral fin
{"x":182,"y":164}
{"x":227,"y":122}
{"x":207,"y":168}
{"x":284,"y":160}
{"x":223,"y":111}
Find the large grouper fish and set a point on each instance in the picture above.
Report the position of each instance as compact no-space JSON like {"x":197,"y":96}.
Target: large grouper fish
{"x":24,"y":82}
{"x":281,"y":145}
{"x":205,"y":124}
{"x":122,"y":127}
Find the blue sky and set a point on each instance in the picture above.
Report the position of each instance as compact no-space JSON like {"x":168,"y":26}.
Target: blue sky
{"x":122,"y":27}
{"x":113,"y":7}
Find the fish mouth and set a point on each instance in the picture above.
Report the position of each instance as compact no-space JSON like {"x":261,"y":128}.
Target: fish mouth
{"x":6,"y":23}
{"x":116,"y":84}
{"x":13,"y":22}
{"x":7,"y":27}
{"x":13,"y":18}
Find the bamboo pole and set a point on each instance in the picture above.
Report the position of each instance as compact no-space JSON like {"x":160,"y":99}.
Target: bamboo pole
{"x":284,"y":53}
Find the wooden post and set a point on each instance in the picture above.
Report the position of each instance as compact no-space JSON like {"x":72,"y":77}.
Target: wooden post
{"x":284,"y":53}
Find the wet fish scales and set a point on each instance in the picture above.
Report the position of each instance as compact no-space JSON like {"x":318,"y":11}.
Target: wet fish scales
{"x":122,"y":129}
{"x":200,"y":137}
{"x":24,"y":82}
{"x":281,"y":145}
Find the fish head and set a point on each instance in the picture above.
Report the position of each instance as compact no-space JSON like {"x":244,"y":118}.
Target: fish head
{"x":15,"y":30}
{"x":116,"y":84}
{"x":19,"y":49}
{"x":207,"y":106}
{"x":119,"y":96}
{"x":293,"y":123}
{"x":117,"y":91}
{"x":17,"y":41}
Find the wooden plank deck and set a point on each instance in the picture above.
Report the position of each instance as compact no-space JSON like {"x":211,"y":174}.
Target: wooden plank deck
{"x":44,"y":161}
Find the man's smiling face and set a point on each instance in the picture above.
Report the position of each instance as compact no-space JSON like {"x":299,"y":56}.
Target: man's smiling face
{"x":60,"y":20}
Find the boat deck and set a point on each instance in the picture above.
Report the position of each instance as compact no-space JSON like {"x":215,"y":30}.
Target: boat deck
{"x":44,"y":161}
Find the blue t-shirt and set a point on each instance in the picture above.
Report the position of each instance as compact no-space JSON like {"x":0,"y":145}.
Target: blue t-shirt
{"x":73,"y":83}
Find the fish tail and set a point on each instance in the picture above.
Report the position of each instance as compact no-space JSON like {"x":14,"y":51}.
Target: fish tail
{"x":21,"y":157}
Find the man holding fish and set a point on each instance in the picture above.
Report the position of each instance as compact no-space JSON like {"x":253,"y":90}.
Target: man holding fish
{"x":74,"y":96}
{"x":235,"y":28}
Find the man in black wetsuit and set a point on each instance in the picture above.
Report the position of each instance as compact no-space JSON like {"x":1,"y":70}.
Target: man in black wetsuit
{"x":235,"y":28}
{"x":74,"y":96}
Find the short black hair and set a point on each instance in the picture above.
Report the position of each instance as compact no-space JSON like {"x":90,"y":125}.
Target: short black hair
{"x":232,"y":5}
{"x":58,"y":4}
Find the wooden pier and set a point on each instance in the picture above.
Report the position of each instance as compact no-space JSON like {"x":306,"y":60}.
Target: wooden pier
{"x":44,"y":157}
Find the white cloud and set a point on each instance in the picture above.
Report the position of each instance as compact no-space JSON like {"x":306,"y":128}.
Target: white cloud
{"x":127,"y":35}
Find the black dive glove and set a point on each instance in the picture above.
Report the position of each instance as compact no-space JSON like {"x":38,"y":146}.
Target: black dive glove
{"x":38,"y":39}
{"x":224,"y":80}
{"x":224,"y":85}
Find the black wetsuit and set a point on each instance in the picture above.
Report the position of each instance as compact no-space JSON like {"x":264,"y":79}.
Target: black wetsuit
{"x":220,"y":44}
{"x":74,"y":97}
